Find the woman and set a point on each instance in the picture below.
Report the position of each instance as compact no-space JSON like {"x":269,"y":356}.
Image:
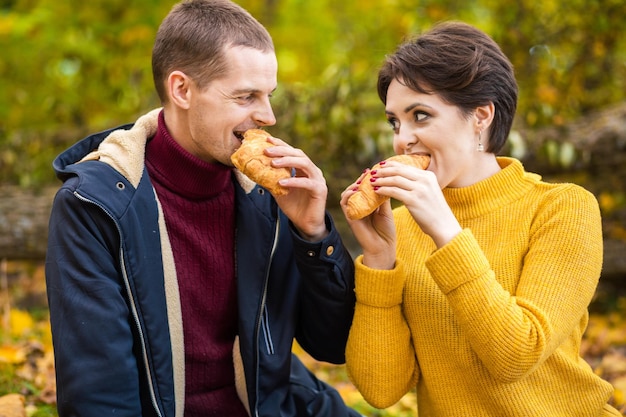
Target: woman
{"x":475,"y":291}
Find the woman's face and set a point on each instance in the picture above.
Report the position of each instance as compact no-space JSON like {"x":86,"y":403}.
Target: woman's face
{"x":424,"y":123}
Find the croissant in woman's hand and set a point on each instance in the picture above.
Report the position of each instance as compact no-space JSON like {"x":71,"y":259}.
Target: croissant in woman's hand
{"x":254,"y":164}
{"x":366,"y":200}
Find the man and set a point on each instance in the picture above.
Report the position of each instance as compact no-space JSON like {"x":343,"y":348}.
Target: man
{"x":176,"y":286}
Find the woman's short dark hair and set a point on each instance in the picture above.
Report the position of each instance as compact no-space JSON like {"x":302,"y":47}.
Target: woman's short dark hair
{"x":462,"y":65}
{"x":194,"y":35}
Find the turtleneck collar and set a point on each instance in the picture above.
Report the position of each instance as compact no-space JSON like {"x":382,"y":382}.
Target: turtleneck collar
{"x":510,"y":183}
{"x":181,"y":172}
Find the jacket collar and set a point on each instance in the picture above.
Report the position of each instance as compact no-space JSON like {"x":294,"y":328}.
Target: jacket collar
{"x":124,"y":150}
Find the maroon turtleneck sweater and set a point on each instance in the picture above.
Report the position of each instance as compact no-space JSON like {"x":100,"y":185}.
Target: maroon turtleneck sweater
{"x":198,"y":204}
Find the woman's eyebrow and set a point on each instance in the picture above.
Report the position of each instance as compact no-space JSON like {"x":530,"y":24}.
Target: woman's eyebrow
{"x":414,"y":105}
{"x":408,"y":108}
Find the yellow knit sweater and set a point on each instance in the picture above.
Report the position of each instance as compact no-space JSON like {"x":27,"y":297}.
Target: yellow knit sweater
{"x":491,"y":323}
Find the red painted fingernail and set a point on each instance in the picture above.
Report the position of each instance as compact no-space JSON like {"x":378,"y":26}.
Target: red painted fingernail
{"x":376,"y":187}
{"x":373,"y":172}
{"x":355,"y":189}
{"x":382,"y":162}
{"x":358,"y":182}
{"x":373,"y":179}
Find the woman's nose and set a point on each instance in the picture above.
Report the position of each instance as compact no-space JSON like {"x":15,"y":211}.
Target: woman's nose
{"x":404,"y":140}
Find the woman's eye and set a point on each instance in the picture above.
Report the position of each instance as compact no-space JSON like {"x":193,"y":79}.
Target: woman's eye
{"x":395,"y":125}
{"x":420,"y":116}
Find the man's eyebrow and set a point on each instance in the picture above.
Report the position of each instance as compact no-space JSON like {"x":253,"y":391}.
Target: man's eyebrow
{"x":249,"y":91}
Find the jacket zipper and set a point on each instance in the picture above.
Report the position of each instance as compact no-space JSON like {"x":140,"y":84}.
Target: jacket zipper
{"x":132,"y":301}
{"x":262,"y":310}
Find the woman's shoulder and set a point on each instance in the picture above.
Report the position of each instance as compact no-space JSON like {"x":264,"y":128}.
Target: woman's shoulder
{"x":550,"y":189}
{"x":559,"y":191}
{"x":565,"y":200}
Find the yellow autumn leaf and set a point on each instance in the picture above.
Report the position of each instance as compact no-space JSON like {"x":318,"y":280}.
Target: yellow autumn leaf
{"x":21,"y":322}
{"x":12,"y":354}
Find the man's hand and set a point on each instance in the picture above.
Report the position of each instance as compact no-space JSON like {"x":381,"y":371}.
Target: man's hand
{"x":305,"y":204}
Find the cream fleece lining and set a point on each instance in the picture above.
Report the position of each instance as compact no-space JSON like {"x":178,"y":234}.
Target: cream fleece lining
{"x":125,"y":150}
{"x":174,"y":314}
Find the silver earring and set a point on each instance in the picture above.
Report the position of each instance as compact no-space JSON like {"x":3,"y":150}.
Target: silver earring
{"x":480,"y":147}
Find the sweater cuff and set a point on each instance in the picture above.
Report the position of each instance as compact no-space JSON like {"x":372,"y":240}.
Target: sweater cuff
{"x":378,"y":287}
{"x":458,"y":262}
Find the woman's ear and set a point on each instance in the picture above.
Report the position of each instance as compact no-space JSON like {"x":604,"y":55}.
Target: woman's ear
{"x":179,"y":89}
{"x":484,"y":116}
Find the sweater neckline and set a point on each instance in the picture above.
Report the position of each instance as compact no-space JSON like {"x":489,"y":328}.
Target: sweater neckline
{"x":181,"y":172}
{"x":509,"y":184}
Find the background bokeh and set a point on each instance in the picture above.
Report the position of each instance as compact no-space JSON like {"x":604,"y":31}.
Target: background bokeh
{"x":72,"y":67}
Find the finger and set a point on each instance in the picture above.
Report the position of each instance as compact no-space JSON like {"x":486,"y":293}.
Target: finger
{"x":314,"y":184}
{"x":347,"y":193}
{"x":396,"y":169}
{"x":277,"y":141}
{"x":283,"y":149}
{"x":303,"y":166}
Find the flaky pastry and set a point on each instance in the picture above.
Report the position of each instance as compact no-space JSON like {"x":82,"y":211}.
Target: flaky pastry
{"x":254,"y":164}
{"x":366,"y":200}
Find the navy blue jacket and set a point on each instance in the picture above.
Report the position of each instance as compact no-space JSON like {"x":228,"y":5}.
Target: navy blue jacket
{"x":115,"y":311}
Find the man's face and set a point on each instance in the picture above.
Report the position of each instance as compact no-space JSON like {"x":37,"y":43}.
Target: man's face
{"x":219,"y":113}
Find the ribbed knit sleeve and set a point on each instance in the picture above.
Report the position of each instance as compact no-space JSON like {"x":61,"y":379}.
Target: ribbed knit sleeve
{"x":514,"y":333}
{"x":379,"y":351}
{"x":459,"y":262}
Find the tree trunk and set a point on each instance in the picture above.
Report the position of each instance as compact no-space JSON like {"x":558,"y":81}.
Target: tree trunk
{"x":24,"y":222}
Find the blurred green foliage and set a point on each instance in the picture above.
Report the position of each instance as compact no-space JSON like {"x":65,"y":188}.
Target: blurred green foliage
{"x":71,"y":67}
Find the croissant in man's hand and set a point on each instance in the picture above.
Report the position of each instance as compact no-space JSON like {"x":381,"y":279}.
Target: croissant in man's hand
{"x":254,"y":164}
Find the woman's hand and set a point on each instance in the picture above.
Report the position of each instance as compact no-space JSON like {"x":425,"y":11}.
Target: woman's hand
{"x":375,"y":233}
{"x":420,"y":192}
